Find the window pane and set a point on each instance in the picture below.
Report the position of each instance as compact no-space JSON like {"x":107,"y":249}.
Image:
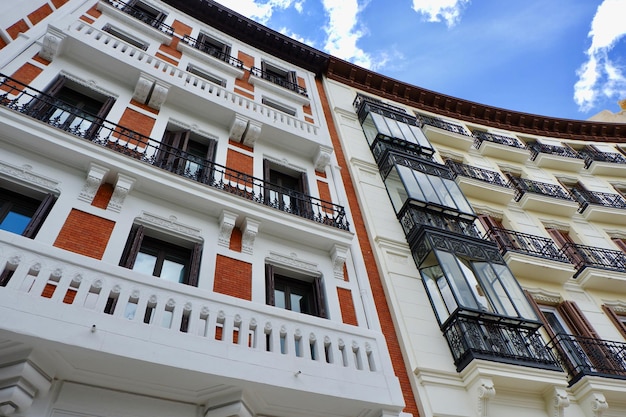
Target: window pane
{"x":173,"y":271}
{"x":15,"y":222}
{"x":406,"y":132}
{"x":442,"y":192}
{"x":381,"y":126}
{"x":410,"y":183}
{"x":493,"y":287}
{"x":439,"y":291}
{"x":515,"y":292}
{"x":394,"y":129}
{"x":369,"y":128}
{"x":298,"y":303}
{"x":458,"y":197}
{"x":145,"y":263}
{"x":279,"y":298}
{"x":420,"y":137}
{"x":460,"y":286}
{"x":427,"y":188}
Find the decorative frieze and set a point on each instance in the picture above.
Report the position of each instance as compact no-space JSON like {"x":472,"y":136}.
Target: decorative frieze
{"x":123,"y":185}
{"x":227,"y":224}
{"x":250,"y":229}
{"x":95,"y":177}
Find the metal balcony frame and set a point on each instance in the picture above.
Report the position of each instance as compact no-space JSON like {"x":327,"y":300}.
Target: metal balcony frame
{"x":141,"y":16}
{"x":510,"y":240}
{"x":469,"y":171}
{"x":258,"y":72}
{"x":214,"y":52}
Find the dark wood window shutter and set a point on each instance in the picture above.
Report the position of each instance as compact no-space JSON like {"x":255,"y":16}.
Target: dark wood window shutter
{"x":40,"y":105}
{"x":40,"y":215}
{"x":320,"y":297}
{"x":269,"y":285}
{"x":292,"y":77}
{"x":576,"y":320}
{"x":615,"y":318}
{"x":102,"y":113}
{"x":194,"y":265}
{"x":133,"y":244}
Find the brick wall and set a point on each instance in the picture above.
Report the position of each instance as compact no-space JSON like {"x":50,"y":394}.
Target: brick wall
{"x":85,"y":234}
{"x":137,"y":122}
{"x":346,"y":304}
{"x":103,"y":196}
{"x":40,"y":14}
{"x":233,"y":277}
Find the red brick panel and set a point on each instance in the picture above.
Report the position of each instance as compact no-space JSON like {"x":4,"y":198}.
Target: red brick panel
{"x":2,"y":43}
{"x":181,"y":29}
{"x":85,"y":234}
{"x":171,"y":49}
{"x":59,"y":3}
{"x":166,"y":59}
{"x":248,"y":62}
{"x":137,"y":122}
{"x":40,"y":14}
{"x":18,"y":27}
{"x":324,"y":190}
{"x":103,"y":196}
{"x":69,"y":296}
{"x":94,"y":12}
{"x":235,"y":240}
{"x":233,"y":277}
{"x":346,"y":303}
{"x":239,"y":161}
{"x":25,"y":74}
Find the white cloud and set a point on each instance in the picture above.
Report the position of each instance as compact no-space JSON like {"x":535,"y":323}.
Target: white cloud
{"x":257,"y":10}
{"x":436,"y":10}
{"x":299,"y":6}
{"x":342,"y":33}
{"x":600,"y":77}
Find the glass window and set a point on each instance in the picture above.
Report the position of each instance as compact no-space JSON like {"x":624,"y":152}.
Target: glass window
{"x":22,"y":211}
{"x":297,"y":293}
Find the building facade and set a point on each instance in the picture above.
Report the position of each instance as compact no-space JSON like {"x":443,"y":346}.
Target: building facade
{"x":175,"y":236}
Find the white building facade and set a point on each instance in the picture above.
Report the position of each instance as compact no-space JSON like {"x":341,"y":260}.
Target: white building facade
{"x":175,"y":233}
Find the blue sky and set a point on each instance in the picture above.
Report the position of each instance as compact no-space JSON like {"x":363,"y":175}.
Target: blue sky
{"x":560,"y":58}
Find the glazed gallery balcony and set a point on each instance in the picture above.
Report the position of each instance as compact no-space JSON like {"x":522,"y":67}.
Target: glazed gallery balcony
{"x":116,"y":138}
{"x":583,"y":356}
{"x":144,"y":13}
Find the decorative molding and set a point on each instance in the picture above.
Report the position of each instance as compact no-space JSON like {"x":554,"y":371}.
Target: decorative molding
{"x":238,"y":127}
{"x":170,"y":224}
{"x":192,"y":128}
{"x":25,"y":174}
{"x":488,"y":210}
{"x":618,"y":306}
{"x":159,"y":94}
{"x":291,"y":261}
{"x":123,"y":185}
{"x":557,"y":402}
{"x":51,"y":44}
{"x":143,"y":88}
{"x":485,"y":392}
{"x":250,"y":229}
{"x":545,"y":297}
{"x":554,"y":224}
{"x":339,"y":254}
{"x":233,"y":409}
{"x":323,"y":158}
{"x":252,"y":133}
{"x":95,"y":177}
{"x":90,"y":84}
{"x":598,"y":404}
{"x":227,"y":224}
{"x":21,"y":380}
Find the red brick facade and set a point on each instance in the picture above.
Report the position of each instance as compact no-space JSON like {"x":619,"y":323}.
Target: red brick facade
{"x":85,"y":234}
{"x":346,"y":303}
{"x":233,"y":277}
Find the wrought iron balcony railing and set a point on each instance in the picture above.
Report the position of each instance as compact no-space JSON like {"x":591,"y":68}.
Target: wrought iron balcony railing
{"x":586,"y":197}
{"x":591,"y":155}
{"x":485,"y":175}
{"x":442,"y":124}
{"x":143,"y":16}
{"x":481,"y":136}
{"x":524,"y":185}
{"x":212,"y":51}
{"x":583,"y":257}
{"x":471,"y":337}
{"x":583,"y":356}
{"x":509,"y":240}
{"x":30,"y":102}
{"x":363,"y":104}
{"x":536,"y":148}
{"x":281,"y":81}
{"x":414,"y":219}
{"x":384,"y":145}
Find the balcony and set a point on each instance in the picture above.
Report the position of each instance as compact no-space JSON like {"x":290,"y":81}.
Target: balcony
{"x":116,"y":138}
{"x":543,"y":197}
{"x":190,"y":44}
{"x":604,"y":163}
{"x":486,"y":337}
{"x":521,"y":250}
{"x":446,"y":133}
{"x":582,"y":356}
{"x":556,"y":157}
{"x":600,"y":207}
{"x":499,"y":146}
{"x":597,"y":268}
{"x":481,"y":184}
{"x":279,"y":81}
{"x":105,"y":323}
{"x":154,"y":20}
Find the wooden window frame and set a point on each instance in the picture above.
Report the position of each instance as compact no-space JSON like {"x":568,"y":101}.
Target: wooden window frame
{"x":39,"y":214}
{"x":618,"y":319}
{"x":172,"y":154}
{"x":317,"y":295}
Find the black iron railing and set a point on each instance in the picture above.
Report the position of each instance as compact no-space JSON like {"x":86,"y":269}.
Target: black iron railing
{"x":586,"y":197}
{"x":488,"y":338}
{"x":442,"y":124}
{"x":583,"y":257}
{"x":66,"y":116}
{"x":536,"y":148}
{"x":509,"y":240}
{"x":591,"y":154}
{"x":384,"y":145}
{"x":481,"y":136}
{"x":583,"y":356}
{"x":364,"y":104}
{"x":281,"y":81}
{"x":524,"y":185}
{"x":139,"y":14}
{"x":209,"y":49}
{"x":485,"y":175}
{"x":414,"y":217}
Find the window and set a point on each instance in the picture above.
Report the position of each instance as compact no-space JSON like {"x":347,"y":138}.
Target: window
{"x":171,"y":259}
{"x":185,"y":153}
{"x":279,"y":76}
{"x":125,"y":37}
{"x":279,"y":106}
{"x":207,"y":76}
{"x":22,"y":211}
{"x":286,"y":189}
{"x":617,"y":316}
{"x":71,"y":107}
{"x":295,"y":292}
{"x":144,"y":12}
{"x":213,"y":47}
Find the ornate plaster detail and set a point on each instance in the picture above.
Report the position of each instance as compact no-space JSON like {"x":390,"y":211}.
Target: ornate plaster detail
{"x":238,"y":127}
{"x":123,"y":185}
{"x":26,"y":175}
{"x":560,"y":400}
{"x":488,"y":210}
{"x":51,"y":44}
{"x":158,"y":96}
{"x":170,"y":224}
{"x":193,"y":128}
{"x":250,"y":229}
{"x":95,"y":176}
{"x":227,"y":224}
{"x":292,"y":261}
{"x":143,"y":88}
{"x":617,"y":305}
{"x":553,"y":224}
{"x":485,"y":392}
{"x":544,"y":296}
{"x":598,"y":404}
{"x":323,"y":158}
{"x":252,"y":133}
{"x":91,"y":84}
{"x":339,"y":254}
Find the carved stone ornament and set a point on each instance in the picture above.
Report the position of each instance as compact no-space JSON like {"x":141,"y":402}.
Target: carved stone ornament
{"x":292,"y":261}
{"x":51,"y":44}
{"x":159,"y":94}
{"x":170,"y":224}
{"x":545,"y":297}
{"x":486,"y":391}
{"x":250,"y":229}
{"x":238,"y":127}
{"x":227,"y":224}
{"x":143,"y":88}
{"x":95,"y":176}
{"x":252,"y":133}
{"x":339,"y":254}
{"x":560,"y":402}
{"x":26,"y":175}
{"x":123,"y":185}
{"x":323,"y":158}
{"x":598,"y":404}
